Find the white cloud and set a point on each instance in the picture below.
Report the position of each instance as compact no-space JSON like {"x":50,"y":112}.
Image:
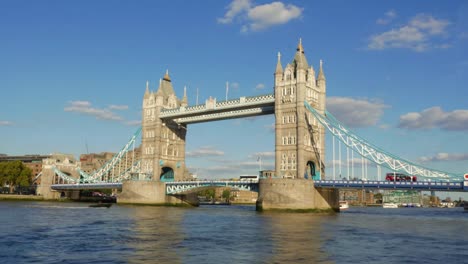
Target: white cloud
{"x":84,"y":107}
{"x":271,"y":128}
{"x":435,"y":117}
{"x":422,"y":33}
{"x":118,"y":107}
{"x":260,"y":17}
{"x":442,"y":156}
{"x":388,"y":17}
{"x":264,"y":155}
{"x":235,"y":8}
{"x":355,"y":112}
{"x":206,"y":151}
{"x":5,"y":123}
{"x":133,"y":123}
{"x":260,"y":86}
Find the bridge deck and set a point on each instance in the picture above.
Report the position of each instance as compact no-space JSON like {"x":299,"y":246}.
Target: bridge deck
{"x":423,"y":186}
{"x":184,"y":186}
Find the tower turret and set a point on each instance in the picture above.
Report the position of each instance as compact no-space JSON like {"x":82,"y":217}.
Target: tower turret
{"x":279,"y":70}
{"x":184,"y":99}
{"x":322,"y":86}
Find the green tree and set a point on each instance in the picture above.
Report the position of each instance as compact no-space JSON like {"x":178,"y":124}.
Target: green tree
{"x":226,"y":195}
{"x":14,"y":173}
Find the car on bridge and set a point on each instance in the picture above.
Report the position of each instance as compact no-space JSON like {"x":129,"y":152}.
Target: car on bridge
{"x":391,"y":176}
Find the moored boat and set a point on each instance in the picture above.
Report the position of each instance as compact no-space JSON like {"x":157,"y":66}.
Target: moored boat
{"x":389,"y":205}
{"x":107,"y":205}
{"x":344,"y":205}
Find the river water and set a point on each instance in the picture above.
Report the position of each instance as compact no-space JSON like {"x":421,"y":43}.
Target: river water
{"x":47,"y":232}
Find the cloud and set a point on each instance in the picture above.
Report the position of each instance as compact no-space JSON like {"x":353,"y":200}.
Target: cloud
{"x":84,"y":107}
{"x":355,"y":112}
{"x":435,"y":117}
{"x":442,"y":156}
{"x":206,"y":151}
{"x":420,"y":34}
{"x":118,"y":107}
{"x":133,"y":123}
{"x":5,"y":123}
{"x":236,"y":7}
{"x":260,"y":86}
{"x":271,"y":128}
{"x":234,"y":86}
{"x":388,"y":17}
{"x":260,"y":17}
{"x":357,"y":163}
{"x":264,"y":155}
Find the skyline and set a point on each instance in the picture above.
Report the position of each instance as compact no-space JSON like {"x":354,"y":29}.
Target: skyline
{"x":75,"y":73}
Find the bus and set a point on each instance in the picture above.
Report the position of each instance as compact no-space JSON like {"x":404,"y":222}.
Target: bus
{"x":248,"y":178}
{"x":391,"y":176}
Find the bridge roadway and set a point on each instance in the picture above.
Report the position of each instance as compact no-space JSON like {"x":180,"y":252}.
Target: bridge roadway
{"x":185,"y":186}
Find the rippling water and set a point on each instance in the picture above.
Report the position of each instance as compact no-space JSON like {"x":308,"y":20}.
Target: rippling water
{"x":43,"y":232}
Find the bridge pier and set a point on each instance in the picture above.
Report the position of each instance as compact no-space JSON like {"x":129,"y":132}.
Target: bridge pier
{"x":152,"y":193}
{"x":295,"y":194}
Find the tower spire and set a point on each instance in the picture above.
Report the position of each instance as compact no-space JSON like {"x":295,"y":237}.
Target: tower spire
{"x":184,"y":99}
{"x":166,"y":76}
{"x":299,"y":46}
{"x":279,"y":68}
{"x":147,"y":87}
{"x":321,"y":75}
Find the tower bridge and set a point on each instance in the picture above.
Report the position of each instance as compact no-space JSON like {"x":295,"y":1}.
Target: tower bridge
{"x":299,"y":105}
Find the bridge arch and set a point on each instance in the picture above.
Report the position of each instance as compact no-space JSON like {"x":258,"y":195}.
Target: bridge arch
{"x":167,"y":174}
{"x":312,"y":172}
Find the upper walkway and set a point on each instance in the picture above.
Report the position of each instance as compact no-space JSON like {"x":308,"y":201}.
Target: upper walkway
{"x":212,"y":110}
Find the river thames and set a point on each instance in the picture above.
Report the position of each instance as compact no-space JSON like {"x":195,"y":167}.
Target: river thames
{"x":47,"y":232}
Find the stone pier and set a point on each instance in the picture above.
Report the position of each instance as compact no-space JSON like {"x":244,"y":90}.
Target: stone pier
{"x":295,"y":194}
{"x":152,"y":193}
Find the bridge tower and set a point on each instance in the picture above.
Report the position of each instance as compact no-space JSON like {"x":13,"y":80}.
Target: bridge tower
{"x":163,"y":141}
{"x":300,"y":139}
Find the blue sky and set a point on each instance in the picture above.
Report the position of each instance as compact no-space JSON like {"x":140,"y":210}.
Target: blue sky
{"x":73,"y":73}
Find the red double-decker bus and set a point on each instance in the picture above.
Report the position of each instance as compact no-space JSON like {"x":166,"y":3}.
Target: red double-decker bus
{"x":399,"y":177}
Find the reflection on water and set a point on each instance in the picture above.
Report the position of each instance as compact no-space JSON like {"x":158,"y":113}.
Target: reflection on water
{"x":296,"y":237}
{"x":35,"y":232}
{"x":155,"y":234}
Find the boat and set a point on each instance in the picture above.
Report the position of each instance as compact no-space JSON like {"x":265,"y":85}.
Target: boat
{"x":107,"y":205}
{"x":389,"y":205}
{"x":344,"y":205}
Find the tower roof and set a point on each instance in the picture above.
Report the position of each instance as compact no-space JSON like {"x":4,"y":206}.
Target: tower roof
{"x":279,"y":68}
{"x":300,"y":61}
{"x":165,"y":85}
{"x":147,"y":88}
{"x":321,"y":75}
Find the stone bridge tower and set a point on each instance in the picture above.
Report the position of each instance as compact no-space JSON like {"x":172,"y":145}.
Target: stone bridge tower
{"x":300,"y":139}
{"x":163,"y":142}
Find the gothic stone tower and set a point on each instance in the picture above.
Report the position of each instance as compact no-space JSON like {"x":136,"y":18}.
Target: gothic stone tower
{"x":300,"y":139}
{"x":163,"y":141}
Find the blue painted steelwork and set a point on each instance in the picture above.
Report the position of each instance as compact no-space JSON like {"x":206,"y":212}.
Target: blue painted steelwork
{"x":374,"y":153}
{"x":423,"y":186}
{"x":188,"y":186}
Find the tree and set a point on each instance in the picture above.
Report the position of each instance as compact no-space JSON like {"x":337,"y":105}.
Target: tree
{"x":14,"y":173}
{"x":226,"y":195}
